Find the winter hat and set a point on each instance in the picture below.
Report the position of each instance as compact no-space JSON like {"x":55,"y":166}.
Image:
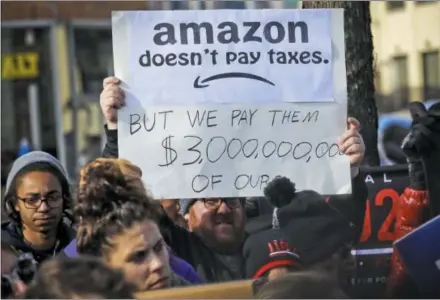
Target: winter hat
{"x":266,"y":250}
{"x":31,"y":158}
{"x":185,"y":205}
{"x":315,"y":228}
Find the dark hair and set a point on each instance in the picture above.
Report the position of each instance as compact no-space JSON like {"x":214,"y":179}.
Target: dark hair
{"x":308,"y":284}
{"x":11,"y":196}
{"x":110,"y":199}
{"x":83,"y":277}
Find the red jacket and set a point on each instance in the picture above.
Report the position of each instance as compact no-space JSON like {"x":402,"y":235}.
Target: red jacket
{"x":412,"y":211}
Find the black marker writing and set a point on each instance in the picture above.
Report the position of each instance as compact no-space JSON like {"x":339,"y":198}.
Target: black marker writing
{"x":215,"y":148}
{"x":201,"y":182}
{"x":139,"y":121}
{"x":170,"y":153}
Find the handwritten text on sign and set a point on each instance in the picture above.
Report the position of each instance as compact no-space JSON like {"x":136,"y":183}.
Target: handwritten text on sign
{"x":234,"y":150}
{"x":219,"y":55}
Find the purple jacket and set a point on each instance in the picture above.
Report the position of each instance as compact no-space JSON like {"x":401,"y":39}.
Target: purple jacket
{"x":179,"y":266}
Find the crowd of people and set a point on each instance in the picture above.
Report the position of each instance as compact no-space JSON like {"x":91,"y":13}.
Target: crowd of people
{"x":111,"y":239}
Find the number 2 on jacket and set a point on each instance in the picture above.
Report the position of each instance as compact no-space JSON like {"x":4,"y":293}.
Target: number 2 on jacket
{"x":385,"y":232}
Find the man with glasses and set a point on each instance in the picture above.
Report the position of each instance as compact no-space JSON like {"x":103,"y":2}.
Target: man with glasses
{"x":213,"y":244}
{"x":37,"y":200}
{"x":219,"y":222}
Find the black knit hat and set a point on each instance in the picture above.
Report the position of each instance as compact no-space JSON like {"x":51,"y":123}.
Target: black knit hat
{"x":315,"y":228}
{"x":266,"y":250}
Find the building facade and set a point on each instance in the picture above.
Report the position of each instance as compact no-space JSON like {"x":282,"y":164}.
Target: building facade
{"x":407,"y":47}
{"x":55,"y":55}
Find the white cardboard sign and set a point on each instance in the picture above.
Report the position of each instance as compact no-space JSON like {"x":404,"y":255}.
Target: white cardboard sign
{"x":225,"y":129}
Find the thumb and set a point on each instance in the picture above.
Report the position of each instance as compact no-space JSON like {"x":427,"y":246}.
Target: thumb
{"x":20,"y":287}
{"x":353,"y":124}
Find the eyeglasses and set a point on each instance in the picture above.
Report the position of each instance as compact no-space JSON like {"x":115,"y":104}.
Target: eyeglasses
{"x":215,"y":203}
{"x":34,"y":202}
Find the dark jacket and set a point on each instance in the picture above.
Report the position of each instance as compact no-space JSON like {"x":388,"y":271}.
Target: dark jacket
{"x":207,"y":263}
{"x":12,"y":235}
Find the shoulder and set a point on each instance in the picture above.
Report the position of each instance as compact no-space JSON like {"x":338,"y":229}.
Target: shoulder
{"x":177,"y":281}
{"x":10,"y":234}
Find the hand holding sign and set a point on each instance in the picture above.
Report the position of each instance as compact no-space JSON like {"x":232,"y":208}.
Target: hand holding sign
{"x":351,"y":143}
{"x":111,"y":99}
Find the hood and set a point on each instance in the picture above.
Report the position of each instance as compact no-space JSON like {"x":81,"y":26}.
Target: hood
{"x":31,"y":158}
{"x":11,"y":235}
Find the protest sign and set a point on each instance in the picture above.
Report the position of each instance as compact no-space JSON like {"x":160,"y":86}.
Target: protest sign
{"x":220,"y":105}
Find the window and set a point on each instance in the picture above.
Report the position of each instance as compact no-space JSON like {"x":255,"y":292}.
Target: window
{"x":179,"y":4}
{"x":400,"y":81}
{"x":230,"y":4}
{"x":261,"y":4}
{"x":392,"y":5}
{"x":400,"y":72}
{"x":377,"y":81}
{"x":425,"y":1}
{"x":94,"y":56}
{"x":291,"y":3}
{"x":431,"y":75}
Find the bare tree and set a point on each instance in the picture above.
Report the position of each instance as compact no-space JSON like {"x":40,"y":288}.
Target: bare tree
{"x":360,"y":72}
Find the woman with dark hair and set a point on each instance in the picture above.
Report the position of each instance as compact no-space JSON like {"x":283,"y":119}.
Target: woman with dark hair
{"x":78,"y":278}
{"x":118,"y":222}
{"x":37,"y":201}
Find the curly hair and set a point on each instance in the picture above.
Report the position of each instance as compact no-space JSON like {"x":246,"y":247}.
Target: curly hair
{"x":81,"y":278}
{"x":110,"y":199}
{"x":11,"y":196}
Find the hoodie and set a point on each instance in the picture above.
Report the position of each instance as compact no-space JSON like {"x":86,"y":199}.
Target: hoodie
{"x":12,"y":233}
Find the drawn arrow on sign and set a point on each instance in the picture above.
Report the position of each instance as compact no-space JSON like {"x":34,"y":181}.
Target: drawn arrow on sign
{"x":203,"y":83}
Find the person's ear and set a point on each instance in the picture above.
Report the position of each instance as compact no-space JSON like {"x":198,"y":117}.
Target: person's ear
{"x":16,"y":207}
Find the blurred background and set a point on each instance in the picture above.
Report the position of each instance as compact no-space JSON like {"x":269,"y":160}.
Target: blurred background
{"x":56,"y":54}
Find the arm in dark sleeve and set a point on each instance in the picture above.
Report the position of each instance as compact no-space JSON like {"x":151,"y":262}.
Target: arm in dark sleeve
{"x":111,"y":146}
{"x":353,"y":206}
{"x":180,"y":240}
{"x":251,"y":207}
{"x":257,"y":206}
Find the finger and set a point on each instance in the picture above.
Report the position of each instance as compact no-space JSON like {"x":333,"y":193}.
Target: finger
{"x":350,"y":142}
{"x":112,"y":88}
{"x":346,"y":135}
{"x":110,"y":80}
{"x":353,"y":124}
{"x":113,"y":97}
{"x":118,"y":93}
{"x":108,"y":101}
{"x":354,"y":150}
